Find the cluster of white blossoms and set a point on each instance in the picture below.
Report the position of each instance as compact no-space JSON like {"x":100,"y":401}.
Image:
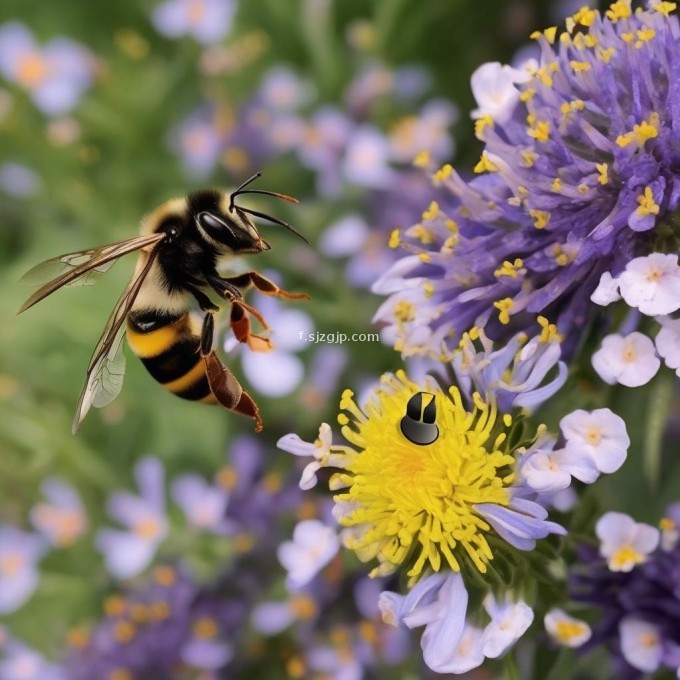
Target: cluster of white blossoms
{"x":650,"y":285}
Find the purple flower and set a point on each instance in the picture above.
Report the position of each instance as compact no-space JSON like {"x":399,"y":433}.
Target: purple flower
{"x":18,"y":180}
{"x":205,"y":20}
{"x":20,"y":662}
{"x":128,"y":553}
{"x":168,"y":626}
{"x":204,"y":505}
{"x":633,"y":582}
{"x":55,"y":75}
{"x":62,"y":519}
{"x":199,"y":141}
{"x":20,"y":553}
{"x":580,"y":178}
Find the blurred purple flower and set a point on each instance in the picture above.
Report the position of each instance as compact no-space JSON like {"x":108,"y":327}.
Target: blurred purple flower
{"x":426,"y":131}
{"x":366,"y":160}
{"x":19,"y":556}
{"x":198,"y":140}
{"x":55,"y":76}
{"x":204,"y":506}
{"x":62,"y":519}
{"x":205,"y":20}
{"x":19,"y":662}
{"x":168,"y":627}
{"x":19,"y":180}
{"x":282,"y":89}
{"x":128,"y":553}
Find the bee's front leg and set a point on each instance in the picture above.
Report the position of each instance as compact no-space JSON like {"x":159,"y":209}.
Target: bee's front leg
{"x":263,"y":285}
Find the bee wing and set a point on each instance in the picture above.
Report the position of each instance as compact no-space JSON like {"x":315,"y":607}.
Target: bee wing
{"x":107,"y":365}
{"x":81,"y":268}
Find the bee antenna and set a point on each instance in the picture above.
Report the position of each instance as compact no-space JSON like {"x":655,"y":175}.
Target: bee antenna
{"x":234,"y":194}
{"x":276,"y":194}
{"x":275,"y":220}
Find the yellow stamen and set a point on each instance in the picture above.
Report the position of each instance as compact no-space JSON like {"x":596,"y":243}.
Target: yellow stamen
{"x":664,"y":8}
{"x":541,"y":218}
{"x":485,"y":164}
{"x":510,"y":269}
{"x":395,"y":242}
{"x":619,"y":10}
{"x":481,"y":124}
{"x":432,"y":211}
{"x":504,"y":306}
{"x":549,"y":332}
{"x":422,"y":160}
{"x":646,"y":204}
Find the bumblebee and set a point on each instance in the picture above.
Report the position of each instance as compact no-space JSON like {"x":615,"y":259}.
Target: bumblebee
{"x":181,"y":244}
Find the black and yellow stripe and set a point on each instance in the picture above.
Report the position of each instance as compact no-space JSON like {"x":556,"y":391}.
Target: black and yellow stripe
{"x":168,"y":346}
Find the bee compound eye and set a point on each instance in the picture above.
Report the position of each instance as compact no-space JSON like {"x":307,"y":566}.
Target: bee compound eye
{"x":418,"y":424}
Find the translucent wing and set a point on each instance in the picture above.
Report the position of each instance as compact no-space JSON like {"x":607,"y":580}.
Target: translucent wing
{"x":81,"y":268}
{"x":107,"y":365}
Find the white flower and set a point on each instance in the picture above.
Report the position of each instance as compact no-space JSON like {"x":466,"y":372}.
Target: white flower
{"x":320,"y":450}
{"x":509,"y":621}
{"x":607,"y":290}
{"x":493,"y":87}
{"x":640,"y":644}
{"x":668,"y":342}
{"x":313,"y":546}
{"x":629,"y":360}
{"x":652,"y":284}
{"x":600,"y":434}
{"x":565,"y":629}
{"x":624,"y":542}
{"x":548,"y":471}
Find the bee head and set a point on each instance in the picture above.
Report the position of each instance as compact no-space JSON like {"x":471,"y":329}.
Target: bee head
{"x":230,"y":232}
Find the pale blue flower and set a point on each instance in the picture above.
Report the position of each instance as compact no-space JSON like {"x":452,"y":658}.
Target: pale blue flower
{"x":20,"y":553}
{"x":205,"y":20}
{"x":55,"y":76}
{"x":128,"y":553}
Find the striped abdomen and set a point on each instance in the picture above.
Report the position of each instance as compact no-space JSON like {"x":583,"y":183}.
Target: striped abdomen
{"x":168,"y":345}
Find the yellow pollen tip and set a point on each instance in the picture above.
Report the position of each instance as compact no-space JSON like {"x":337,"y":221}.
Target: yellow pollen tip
{"x":395,"y":241}
{"x":432,"y":211}
{"x":664,"y":8}
{"x":443,"y":173}
{"x":422,"y":160}
{"x":485,"y":164}
{"x":646,"y":204}
{"x":481,"y":124}
{"x":541,"y":218}
{"x":504,"y":307}
{"x":619,"y":10}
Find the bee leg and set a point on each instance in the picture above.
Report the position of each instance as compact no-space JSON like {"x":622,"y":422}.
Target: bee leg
{"x":224,"y":386}
{"x":264,"y":285}
{"x":204,"y":302}
{"x":240,"y":324}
